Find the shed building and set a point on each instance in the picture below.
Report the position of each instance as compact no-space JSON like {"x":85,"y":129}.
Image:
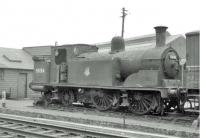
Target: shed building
{"x":16,"y":68}
{"x":177,"y":42}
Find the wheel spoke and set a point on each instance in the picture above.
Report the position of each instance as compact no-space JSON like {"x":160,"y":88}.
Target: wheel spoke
{"x":102,"y":100}
{"x":110,"y":97}
{"x":141,"y":106}
{"x":145,"y":106}
{"x":147,"y":102}
{"x":108,"y":101}
{"x":140,"y":103}
{"x":98,"y":101}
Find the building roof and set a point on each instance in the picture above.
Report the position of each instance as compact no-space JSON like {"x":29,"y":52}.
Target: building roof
{"x":149,"y":41}
{"x":15,"y":59}
{"x":144,"y":39}
{"x":139,"y":41}
{"x":45,"y":51}
{"x":38,"y":50}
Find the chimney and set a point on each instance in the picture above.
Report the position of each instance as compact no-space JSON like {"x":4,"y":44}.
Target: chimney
{"x":160,"y":35}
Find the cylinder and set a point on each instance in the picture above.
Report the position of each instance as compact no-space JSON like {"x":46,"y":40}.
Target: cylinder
{"x":37,"y":88}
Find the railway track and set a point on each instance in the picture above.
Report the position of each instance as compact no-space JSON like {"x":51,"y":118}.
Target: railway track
{"x":175,"y":118}
{"x":22,"y":127}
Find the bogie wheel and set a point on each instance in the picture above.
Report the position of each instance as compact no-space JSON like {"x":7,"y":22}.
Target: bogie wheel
{"x":47,"y":98}
{"x":102,"y":100}
{"x":140,"y":103}
{"x":67,"y":97}
{"x":171,"y":105}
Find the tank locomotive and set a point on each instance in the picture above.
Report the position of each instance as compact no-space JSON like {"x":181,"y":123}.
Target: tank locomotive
{"x":146,"y":79}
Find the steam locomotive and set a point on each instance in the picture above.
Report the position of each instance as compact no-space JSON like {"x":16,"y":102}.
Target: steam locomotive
{"x":146,"y":79}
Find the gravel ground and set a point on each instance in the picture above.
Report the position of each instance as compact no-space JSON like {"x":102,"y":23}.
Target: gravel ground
{"x":25,"y":107}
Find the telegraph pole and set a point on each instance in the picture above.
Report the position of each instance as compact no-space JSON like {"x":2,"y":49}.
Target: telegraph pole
{"x":56,"y":43}
{"x":123,"y":17}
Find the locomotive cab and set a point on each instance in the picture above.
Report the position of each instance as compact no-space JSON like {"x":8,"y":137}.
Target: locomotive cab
{"x":54,"y":69}
{"x":61,"y":55}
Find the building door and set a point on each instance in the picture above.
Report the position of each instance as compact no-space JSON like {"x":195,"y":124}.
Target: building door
{"x":22,"y":86}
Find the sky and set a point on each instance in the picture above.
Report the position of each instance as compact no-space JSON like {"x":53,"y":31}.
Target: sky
{"x":25,"y":23}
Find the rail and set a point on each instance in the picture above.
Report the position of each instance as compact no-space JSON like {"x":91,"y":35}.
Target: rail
{"x":45,"y":128}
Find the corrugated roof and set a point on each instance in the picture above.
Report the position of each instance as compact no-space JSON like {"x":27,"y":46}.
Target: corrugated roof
{"x":144,"y":39}
{"x":15,"y":59}
{"x":149,"y":42}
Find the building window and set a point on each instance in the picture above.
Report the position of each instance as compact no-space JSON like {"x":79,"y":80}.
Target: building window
{"x":1,"y":74}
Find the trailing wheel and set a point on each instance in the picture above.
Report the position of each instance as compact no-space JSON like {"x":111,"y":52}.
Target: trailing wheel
{"x":102,"y":100}
{"x":67,"y":97}
{"x":140,"y":103}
